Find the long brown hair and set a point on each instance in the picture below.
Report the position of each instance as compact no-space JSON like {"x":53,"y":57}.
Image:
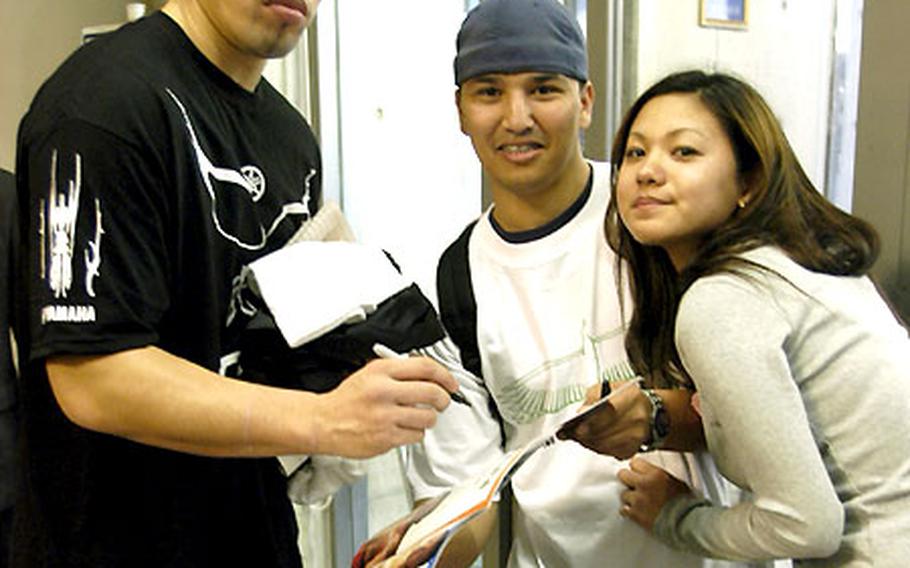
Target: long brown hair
{"x":784,"y":209}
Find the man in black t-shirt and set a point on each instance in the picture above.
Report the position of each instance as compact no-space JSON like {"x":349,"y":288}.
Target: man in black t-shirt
{"x":153,"y":166}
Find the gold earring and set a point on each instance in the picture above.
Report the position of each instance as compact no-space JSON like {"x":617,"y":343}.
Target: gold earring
{"x":742,"y":202}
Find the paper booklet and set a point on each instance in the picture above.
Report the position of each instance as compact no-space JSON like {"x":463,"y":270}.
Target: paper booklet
{"x":473,"y":496}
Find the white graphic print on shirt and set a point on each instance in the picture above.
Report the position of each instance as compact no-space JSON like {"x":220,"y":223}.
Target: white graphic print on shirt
{"x":58,"y":215}
{"x":521,"y":402}
{"x":250,"y":179}
{"x":93,"y":253}
{"x":58,"y":227}
{"x":256,"y":179}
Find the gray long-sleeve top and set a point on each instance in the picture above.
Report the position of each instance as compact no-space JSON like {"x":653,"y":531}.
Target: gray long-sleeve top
{"x":804,"y":380}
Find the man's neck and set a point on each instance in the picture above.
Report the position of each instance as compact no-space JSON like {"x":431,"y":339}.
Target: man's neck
{"x":245,"y":70}
{"x":517,"y":211}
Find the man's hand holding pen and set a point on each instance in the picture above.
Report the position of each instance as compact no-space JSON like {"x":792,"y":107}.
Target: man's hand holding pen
{"x":387,"y":353}
{"x":619,"y":429}
{"x":397,"y":401}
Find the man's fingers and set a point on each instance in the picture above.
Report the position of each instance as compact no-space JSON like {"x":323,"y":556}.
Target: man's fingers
{"x":416,"y":393}
{"x":642,"y":466}
{"x":418,"y":369}
{"x":401,"y":437}
{"x":627,"y":477}
{"x":376,"y":550}
{"x":390,"y":545}
{"x":629,"y":501}
{"x":411,"y":382}
{"x":415,"y":418}
{"x":592,"y":395}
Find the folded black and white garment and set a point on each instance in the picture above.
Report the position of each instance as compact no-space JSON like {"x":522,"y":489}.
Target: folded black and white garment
{"x":311,"y":335}
{"x":322,"y":308}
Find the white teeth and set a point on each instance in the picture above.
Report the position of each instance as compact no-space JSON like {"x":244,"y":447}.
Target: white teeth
{"x":517,"y":148}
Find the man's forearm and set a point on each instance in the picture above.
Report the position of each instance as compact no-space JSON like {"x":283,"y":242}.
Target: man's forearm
{"x":153,"y":397}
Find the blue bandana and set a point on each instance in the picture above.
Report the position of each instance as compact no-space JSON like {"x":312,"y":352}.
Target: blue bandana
{"x":515,"y":36}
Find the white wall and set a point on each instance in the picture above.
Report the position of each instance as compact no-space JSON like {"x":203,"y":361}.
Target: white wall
{"x":785,"y":52}
{"x":394,"y":156}
{"x":289,"y":76}
{"x":411,"y":180}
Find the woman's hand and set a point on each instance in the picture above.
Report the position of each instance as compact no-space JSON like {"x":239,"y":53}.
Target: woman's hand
{"x":648,"y":489}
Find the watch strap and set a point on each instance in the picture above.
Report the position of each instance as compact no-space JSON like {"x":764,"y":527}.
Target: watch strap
{"x":659,"y":423}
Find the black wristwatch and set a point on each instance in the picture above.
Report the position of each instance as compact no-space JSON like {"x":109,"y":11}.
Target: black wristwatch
{"x":660,"y":422}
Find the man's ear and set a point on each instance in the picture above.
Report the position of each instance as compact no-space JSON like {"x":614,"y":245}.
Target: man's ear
{"x":587,"y":105}
{"x":458,"y":106}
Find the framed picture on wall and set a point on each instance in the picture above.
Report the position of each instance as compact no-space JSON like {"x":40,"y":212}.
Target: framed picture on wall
{"x":731,"y":14}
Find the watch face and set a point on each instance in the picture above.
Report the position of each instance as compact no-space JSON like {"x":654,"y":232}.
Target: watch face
{"x":662,"y":422}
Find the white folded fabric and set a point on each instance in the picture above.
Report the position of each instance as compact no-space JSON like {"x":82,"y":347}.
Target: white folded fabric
{"x":318,"y":281}
{"x":290,"y":464}
{"x":329,"y":224}
{"x":320,"y":477}
{"x":312,"y":287}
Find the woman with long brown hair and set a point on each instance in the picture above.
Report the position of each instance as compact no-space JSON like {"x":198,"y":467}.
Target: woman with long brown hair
{"x":749,"y":287}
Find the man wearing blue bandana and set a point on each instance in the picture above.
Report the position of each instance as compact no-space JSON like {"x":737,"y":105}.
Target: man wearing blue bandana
{"x":528,"y":293}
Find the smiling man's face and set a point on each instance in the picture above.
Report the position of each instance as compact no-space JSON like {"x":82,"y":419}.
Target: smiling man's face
{"x":525,"y":127}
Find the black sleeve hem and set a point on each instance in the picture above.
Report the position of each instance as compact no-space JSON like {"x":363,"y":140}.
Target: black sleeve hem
{"x":92,"y":346}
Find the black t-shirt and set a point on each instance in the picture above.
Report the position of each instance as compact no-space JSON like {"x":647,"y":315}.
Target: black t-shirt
{"x":147,"y":181}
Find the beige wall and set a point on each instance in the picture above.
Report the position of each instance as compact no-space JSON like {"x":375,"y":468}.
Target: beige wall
{"x":785,"y":52}
{"x":37,"y":37}
{"x":881,"y":192}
